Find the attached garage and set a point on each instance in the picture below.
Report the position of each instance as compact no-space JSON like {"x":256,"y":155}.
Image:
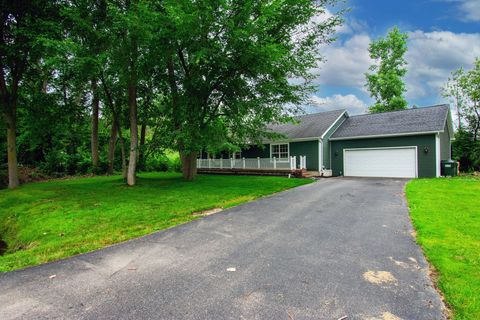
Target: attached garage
{"x":401,"y":144}
{"x":395,"y":162}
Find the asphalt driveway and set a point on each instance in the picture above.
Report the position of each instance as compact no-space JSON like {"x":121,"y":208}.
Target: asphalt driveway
{"x":332,"y":249}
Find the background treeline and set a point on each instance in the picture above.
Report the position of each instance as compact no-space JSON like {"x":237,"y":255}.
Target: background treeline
{"x":463,"y":90}
{"x":104,"y":86}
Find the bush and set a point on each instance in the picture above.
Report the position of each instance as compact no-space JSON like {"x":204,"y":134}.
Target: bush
{"x":163,"y":162}
{"x":157,"y":163}
{"x":467,"y":151}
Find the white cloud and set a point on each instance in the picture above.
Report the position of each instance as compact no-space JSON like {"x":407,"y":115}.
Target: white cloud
{"x":432,"y":56}
{"x":346,"y":63}
{"x":350,"y":102}
{"x":470,"y":10}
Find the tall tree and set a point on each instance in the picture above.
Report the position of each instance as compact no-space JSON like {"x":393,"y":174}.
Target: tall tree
{"x":133,"y":24}
{"x":453,"y":91}
{"x":470,"y":86}
{"x":95,"y":116}
{"x":385,"y":82}
{"x":87,"y":23}
{"x":24,"y":32}
{"x":464,"y":89}
{"x":229,"y":66}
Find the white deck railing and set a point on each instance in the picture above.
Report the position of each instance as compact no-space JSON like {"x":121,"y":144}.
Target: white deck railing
{"x":253,"y":163}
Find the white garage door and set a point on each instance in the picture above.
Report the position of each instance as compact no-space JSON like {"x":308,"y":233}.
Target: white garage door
{"x":381,"y":162}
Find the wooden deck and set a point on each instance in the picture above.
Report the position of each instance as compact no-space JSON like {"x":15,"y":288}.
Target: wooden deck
{"x":297,"y":173}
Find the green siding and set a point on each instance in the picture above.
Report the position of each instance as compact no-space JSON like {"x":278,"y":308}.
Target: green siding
{"x":426,"y":161}
{"x":445,"y":145}
{"x":326,"y":143}
{"x":306,"y":148}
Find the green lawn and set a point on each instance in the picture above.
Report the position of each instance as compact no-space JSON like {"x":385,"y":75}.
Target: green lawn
{"x":446,"y":215}
{"x":46,"y":221}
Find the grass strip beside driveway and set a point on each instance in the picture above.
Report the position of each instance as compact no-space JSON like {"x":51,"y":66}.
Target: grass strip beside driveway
{"x":446,"y":216}
{"x":46,"y":221}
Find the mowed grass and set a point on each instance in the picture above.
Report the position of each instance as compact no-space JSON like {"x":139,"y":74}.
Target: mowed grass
{"x":446,"y":216}
{"x":47,"y":221}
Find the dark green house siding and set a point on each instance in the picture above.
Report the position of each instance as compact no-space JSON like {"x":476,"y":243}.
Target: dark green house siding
{"x":306,"y":148}
{"x":445,"y":145}
{"x":426,"y":161}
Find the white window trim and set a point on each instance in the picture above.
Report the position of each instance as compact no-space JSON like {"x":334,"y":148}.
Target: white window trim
{"x":287,"y":159}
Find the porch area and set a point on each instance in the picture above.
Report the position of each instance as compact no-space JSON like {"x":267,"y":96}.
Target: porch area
{"x":294,"y":166}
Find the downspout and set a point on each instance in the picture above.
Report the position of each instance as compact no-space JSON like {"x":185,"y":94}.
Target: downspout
{"x":437,"y":154}
{"x":320,"y":156}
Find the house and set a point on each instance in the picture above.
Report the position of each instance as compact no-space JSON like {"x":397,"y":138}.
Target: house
{"x":409,"y":143}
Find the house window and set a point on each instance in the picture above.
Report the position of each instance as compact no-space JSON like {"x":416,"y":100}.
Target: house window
{"x":279,"y":151}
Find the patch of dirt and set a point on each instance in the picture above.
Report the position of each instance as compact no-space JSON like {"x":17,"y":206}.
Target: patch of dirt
{"x":207,"y":212}
{"x":380,"y":277}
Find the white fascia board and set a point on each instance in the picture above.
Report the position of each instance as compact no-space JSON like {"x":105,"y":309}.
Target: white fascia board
{"x":333,"y":124}
{"x":285,"y":140}
{"x":387,"y":135}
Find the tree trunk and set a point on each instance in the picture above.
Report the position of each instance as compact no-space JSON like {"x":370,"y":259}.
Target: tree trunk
{"x":95,"y":111}
{"x":124,"y":153}
{"x":141,"y":151}
{"x":477,"y":121}
{"x":13,"y":180}
{"x":132,"y":163}
{"x":111,"y":147}
{"x":189,"y":165}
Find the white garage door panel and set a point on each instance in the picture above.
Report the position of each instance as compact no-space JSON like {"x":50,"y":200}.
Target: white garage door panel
{"x":386,"y":162}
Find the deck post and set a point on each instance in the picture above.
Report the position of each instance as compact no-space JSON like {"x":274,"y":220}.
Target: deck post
{"x":221,"y":162}
{"x":243,"y":163}
{"x":209,"y":163}
{"x":258,"y":162}
{"x":274,"y":163}
{"x":231,"y":163}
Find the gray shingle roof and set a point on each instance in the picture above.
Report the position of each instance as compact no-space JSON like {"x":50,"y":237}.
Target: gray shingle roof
{"x":310,"y":125}
{"x":425,"y":119}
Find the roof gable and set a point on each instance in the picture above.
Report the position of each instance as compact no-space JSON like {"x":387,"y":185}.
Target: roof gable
{"x":411,"y":121}
{"x":309,"y":125}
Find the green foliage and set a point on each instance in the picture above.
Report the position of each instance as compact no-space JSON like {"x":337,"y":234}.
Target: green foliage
{"x":164,"y":162}
{"x":385,"y":83}
{"x":204,"y":74}
{"x":232,"y":62}
{"x":466,"y":150}
{"x":463,"y":88}
{"x":445,"y":215}
{"x":47,"y":221}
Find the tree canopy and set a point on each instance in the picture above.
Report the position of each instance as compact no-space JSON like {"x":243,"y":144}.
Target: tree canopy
{"x":385,"y":80}
{"x":463,"y":89}
{"x":105,"y":85}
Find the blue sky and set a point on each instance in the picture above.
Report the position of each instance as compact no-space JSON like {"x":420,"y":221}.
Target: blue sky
{"x":443,"y":36}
